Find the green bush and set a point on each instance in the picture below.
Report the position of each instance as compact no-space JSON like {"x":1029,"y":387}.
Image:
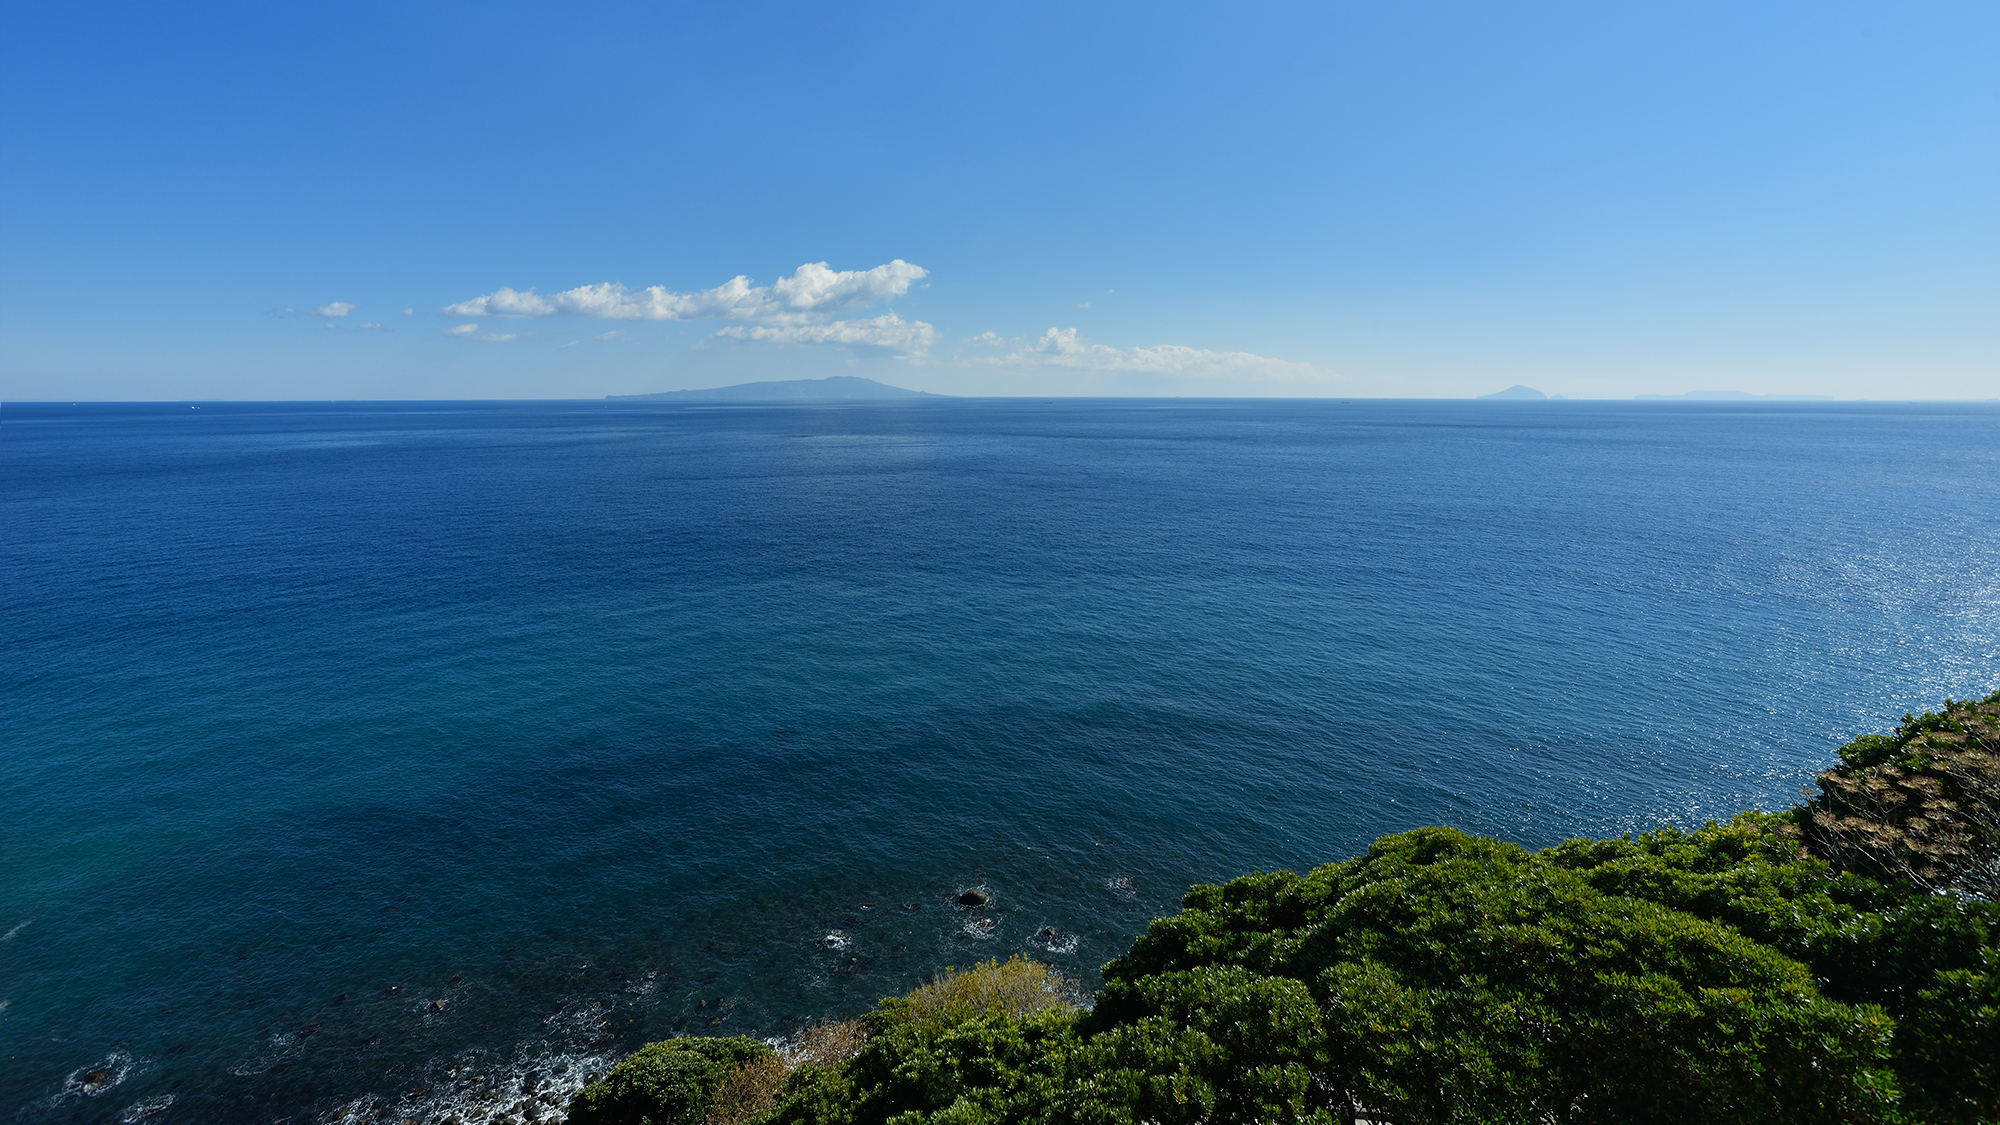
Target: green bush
{"x":1919,"y":806}
{"x":1019,"y":987}
{"x":1463,"y":979}
{"x":668,"y":1083}
{"x":1743,"y":972}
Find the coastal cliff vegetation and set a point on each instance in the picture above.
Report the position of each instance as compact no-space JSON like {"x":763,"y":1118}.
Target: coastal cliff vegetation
{"x":1833,"y":963}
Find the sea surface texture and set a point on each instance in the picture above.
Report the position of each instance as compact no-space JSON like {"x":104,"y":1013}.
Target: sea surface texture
{"x":379,"y":759}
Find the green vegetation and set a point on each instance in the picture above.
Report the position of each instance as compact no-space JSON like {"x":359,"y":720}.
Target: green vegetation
{"x":670,"y":1083}
{"x":1832,"y":964}
{"x":1921,"y":805}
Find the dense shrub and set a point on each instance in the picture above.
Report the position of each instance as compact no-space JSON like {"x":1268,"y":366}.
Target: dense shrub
{"x":1757,"y":971}
{"x":1019,"y":987}
{"x":1463,"y":979}
{"x":979,"y":1044}
{"x":750,"y":1090}
{"x":1921,"y":805}
{"x":668,"y":1083}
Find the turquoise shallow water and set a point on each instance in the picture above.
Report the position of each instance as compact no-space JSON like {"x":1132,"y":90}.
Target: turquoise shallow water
{"x":598,"y":723}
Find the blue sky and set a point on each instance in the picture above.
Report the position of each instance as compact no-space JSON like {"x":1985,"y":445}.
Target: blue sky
{"x":1343,"y":199}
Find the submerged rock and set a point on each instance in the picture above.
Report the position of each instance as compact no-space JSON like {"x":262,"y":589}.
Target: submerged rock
{"x":974,"y":897}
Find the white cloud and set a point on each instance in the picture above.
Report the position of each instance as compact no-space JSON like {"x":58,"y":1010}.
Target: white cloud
{"x":1060,"y":347}
{"x":811,"y":294}
{"x":472,"y":332}
{"x":889,"y":332}
{"x":371,"y":326}
{"x":409,"y":312}
{"x":333,"y":308}
{"x":987,"y":340}
{"x":607,"y":337}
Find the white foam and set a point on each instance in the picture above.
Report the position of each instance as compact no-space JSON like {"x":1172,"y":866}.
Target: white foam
{"x":93,"y":1081}
{"x":284,"y":1045}
{"x":476,"y":1089}
{"x":1055,"y":940}
{"x":146,"y":1108}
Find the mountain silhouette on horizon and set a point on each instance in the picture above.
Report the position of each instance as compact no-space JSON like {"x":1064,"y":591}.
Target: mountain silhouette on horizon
{"x":1517,"y":391}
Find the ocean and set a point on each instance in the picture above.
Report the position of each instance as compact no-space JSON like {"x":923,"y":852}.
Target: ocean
{"x":370,"y":760}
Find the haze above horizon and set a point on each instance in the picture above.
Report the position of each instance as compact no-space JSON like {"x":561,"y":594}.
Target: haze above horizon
{"x":1285,"y":200}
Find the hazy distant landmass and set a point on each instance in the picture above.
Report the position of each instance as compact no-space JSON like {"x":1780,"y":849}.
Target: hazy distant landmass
{"x":1726,"y":395}
{"x":848,"y":388}
{"x":1519,"y":393}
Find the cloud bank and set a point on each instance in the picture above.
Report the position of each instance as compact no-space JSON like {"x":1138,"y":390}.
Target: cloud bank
{"x":810,"y":295}
{"x":889,"y":332}
{"x":1061,"y":347}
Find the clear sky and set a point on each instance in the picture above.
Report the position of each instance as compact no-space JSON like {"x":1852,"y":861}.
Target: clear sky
{"x":1355,"y":199}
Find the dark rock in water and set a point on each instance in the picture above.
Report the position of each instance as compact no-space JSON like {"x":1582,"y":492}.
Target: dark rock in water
{"x":913,"y":907}
{"x":392,"y":990}
{"x":454,"y":981}
{"x":974,"y":898}
{"x":438,"y":1005}
{"x":986,"y":924}
{"x":95,"y":1079}
{"x":1049,"y":933}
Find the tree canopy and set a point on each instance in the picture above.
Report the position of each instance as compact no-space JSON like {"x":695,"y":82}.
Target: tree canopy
{"x":1770,"y":969}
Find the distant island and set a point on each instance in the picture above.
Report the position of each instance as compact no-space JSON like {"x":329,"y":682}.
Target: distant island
{"x":1520,"y":393}
{"x":1725,"y":396}
{"x":835,"y":388}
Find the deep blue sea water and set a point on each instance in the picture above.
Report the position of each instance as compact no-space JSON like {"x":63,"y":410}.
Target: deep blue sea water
{"x":595,"y":721}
